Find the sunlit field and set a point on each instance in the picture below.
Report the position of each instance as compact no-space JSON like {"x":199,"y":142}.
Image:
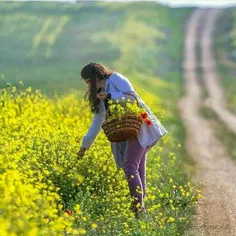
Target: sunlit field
{"x":44,"y":188}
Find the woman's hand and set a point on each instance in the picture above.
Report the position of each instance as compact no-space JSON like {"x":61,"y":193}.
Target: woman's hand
{"x":102,"y":95}
{"x":81,"y":152}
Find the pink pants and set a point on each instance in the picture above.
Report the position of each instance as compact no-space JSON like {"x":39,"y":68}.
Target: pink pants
{"x":135,"y":169}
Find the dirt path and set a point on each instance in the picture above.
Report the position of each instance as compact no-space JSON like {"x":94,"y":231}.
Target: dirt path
{"x":216,"y":213}
{"x":216,"y":98}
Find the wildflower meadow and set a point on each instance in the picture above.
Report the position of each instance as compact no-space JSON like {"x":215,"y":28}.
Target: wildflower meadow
{"x":46,"y":190}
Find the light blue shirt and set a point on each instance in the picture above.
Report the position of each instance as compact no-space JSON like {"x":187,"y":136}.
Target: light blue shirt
{"x":118,"y":85}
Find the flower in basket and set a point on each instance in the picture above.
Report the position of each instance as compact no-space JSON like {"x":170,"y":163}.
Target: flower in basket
{"x":124,"y":107}
{"x":120,"y":108}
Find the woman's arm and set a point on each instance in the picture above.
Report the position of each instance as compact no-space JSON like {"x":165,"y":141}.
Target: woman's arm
{"x":123,"y":86}
{"x":95,"y":127}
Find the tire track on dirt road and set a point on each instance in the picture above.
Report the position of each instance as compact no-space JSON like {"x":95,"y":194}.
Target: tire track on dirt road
{"x":216,"y":212}
{"x":216,"y":100}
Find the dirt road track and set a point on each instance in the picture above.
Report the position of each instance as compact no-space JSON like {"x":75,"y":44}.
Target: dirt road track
{"x":216,"y":98}
{"x":216,"y":213}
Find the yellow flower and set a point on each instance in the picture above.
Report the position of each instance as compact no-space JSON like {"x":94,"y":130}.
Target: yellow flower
{"x":171,"y":219}
{"x":94,"y":226}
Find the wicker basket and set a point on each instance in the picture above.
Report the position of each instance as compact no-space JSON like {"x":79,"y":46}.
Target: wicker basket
{"x":118,"y":130}
{"x":124,"y":128}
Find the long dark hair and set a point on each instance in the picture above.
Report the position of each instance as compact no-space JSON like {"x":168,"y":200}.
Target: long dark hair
{"x":91,"y":71}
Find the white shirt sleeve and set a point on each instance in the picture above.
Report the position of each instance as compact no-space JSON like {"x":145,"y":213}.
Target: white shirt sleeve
{"x":95,"y":127}
{"x":122,"y":85}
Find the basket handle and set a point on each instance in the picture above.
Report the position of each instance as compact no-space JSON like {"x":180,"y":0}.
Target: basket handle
{"x":134,"y":97}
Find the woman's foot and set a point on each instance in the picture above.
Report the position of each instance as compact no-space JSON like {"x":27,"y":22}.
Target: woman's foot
{"x":138,"y":210}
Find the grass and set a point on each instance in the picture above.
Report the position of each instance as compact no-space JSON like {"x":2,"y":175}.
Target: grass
{"x":226,"y":136}
{"x":224,"y":47}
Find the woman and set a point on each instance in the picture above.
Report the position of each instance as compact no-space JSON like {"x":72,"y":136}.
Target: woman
{"x":105,"y":84}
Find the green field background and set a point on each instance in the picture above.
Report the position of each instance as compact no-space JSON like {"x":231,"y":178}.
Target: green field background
{"x":45,"y":45}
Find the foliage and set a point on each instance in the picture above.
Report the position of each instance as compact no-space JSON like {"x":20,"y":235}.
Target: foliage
{"x":119,"y":108}
{"x":45,"y":190}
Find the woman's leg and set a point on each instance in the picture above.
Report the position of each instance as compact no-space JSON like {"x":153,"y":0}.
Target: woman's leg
{"x":142,"y":172}
{"x":133,"y":157}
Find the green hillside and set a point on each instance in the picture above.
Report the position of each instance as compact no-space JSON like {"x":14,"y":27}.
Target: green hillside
{"x":45,"y":45}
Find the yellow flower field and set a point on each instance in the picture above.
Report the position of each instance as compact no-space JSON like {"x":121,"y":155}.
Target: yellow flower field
{"x":45,"y":190}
